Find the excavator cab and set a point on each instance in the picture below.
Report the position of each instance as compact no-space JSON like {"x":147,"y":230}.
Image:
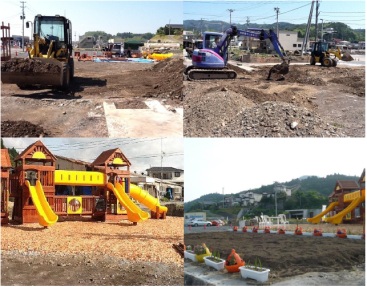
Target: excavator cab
{"x":49,"y":61}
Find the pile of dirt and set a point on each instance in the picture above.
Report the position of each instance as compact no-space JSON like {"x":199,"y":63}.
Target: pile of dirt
{"x":286,"y":255}
{"x":30,"y":65}
{"x":22,"y":129}
{"x":311,"y":101}
{"x":170,"y":78}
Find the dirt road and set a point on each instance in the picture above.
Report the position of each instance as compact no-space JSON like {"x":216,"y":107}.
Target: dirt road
{"x":80,"y":111}
{"x":312,"y":101}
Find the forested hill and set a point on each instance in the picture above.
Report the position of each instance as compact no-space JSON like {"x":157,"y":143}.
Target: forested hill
{"x":320,"y":185}
{"x":341,"y":30}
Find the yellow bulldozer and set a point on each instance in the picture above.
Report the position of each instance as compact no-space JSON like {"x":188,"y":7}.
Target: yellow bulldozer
{"x":49,"y":61}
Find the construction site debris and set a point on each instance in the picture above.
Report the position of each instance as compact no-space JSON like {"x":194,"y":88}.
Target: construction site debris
{"x":21,"y":129}
{"x":30,"y":65}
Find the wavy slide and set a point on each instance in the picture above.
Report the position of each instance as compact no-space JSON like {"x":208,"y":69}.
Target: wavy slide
{"x":338,"y":218}
{"x":317,"y":218}
{"x":134,"y":213}
{"x":146,"y":199}
{"x":46,"y":215}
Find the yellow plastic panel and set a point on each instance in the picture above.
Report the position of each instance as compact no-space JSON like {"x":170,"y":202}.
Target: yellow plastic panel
{"x":39,"y":155}
{"x":74,"y":205}
{"x":352,"y":196}
{"x":84,"y":178}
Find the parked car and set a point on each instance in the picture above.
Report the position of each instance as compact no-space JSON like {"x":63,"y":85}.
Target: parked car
{"x":217,"y":222}
{"x":200,"y":222}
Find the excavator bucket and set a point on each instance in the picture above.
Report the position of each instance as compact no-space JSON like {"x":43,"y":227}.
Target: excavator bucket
{"x":36,"y":71}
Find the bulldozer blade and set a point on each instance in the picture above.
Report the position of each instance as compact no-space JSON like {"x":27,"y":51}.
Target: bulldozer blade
{"x":37,"y":71}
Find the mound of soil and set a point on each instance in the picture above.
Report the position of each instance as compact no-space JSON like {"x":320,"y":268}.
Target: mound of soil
{"x":170,"y":78}
{"x":22,"y":129}
{"x":30,"y":65}
{"x":286,"y":255}
{"x":311,"y":101}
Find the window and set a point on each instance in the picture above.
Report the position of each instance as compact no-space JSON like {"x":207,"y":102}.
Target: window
{"x":294,"y":45}
{"x":177,"y":174}
{"x":299,"y":45}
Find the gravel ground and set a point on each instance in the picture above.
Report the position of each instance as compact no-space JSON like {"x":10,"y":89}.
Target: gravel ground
{"x":93,"y":253}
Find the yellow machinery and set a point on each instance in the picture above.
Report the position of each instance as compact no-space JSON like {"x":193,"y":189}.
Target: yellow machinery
{"x":325,"y":56}
{"x":50,"y":61}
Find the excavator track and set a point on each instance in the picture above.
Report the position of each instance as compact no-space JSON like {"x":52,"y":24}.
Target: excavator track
{"x":210,"y":74}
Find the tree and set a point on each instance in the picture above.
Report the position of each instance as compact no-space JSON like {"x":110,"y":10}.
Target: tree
{"x":161,"y":31}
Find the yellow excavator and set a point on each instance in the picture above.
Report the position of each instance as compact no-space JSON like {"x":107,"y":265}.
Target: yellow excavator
{"x":49,"y":61}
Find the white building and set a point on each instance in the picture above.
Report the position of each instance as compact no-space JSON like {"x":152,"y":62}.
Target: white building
{"x":290,"y":41}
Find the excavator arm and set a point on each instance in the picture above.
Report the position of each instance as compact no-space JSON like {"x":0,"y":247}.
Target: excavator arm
{"x":261,"y":34}
{"x":211,"y":63}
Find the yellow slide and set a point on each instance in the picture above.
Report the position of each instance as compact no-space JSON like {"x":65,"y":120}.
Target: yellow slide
{"x":146,"y":199}
{"x":134,"y":213}
{"x":338,"y":218}
{"x":47,"y":216}
{"x":317,"y":218}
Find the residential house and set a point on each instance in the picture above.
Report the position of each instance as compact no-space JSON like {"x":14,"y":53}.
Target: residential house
{"x":171,"y":180}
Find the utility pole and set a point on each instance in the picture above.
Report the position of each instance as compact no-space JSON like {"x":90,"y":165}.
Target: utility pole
{"x":317,"y":17}
{"x":322,"y":30}
{"x":307,"y":34}
{"x":276,"y":9}
{"x":230,"y":16}
{"x":22,"y":17}
{"x":223,"y":195}
{"x":248,"y":38}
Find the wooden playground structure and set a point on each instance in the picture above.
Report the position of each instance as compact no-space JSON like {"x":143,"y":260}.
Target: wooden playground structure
{"x":40,"y":190}
{"x":346,"y":203}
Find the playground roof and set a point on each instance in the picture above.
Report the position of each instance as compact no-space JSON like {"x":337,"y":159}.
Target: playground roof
{"x":344,"y":185}
{"x":5,"y":158}
{"x":32,"y":147}
{"x":109,"y":155}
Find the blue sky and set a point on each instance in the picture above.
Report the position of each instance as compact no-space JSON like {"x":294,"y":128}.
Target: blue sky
{"x":142,"y":153}
{"x":351,"y":13}
{"x":109,"y":16}
{"x":237,"y":164}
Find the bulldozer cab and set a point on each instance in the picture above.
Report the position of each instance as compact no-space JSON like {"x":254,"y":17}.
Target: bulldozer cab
{"x":320,"y":48}
{"x":56,"y":29}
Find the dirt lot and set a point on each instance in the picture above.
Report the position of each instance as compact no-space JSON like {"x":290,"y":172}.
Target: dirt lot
{"x":312,"y":101}
{"x":79,"y":112}
{"x":287,"y":255}
{"x":92,"y":253}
